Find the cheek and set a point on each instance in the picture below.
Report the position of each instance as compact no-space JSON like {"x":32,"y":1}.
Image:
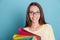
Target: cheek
{"x":38,"y":16}
{"x":31,"y":16}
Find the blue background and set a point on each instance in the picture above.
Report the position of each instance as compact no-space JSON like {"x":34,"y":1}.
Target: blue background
{"x":13,"y":15}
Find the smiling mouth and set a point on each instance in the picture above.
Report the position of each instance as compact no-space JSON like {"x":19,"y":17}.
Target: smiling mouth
{"x":34,"y":18}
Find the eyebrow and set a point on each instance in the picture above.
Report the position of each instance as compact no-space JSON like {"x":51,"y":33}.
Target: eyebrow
{"x":33,"y":11}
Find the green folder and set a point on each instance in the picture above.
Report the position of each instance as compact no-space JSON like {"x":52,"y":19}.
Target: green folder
{"x":28,"y":38}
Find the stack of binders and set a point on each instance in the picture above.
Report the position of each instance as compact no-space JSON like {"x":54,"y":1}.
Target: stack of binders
{"x":25,"y":35}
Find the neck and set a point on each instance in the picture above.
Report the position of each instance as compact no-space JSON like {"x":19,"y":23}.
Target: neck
{"x":35,"y":25}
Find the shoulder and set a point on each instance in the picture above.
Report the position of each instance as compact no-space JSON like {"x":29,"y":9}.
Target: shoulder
{"x":26,"y":28}
{"x":48,"y":26}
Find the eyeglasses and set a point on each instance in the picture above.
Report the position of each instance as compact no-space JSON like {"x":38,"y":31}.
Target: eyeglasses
{"x":34,"y":13}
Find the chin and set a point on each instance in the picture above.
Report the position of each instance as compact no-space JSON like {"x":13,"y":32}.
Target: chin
{"x":34,"y":21}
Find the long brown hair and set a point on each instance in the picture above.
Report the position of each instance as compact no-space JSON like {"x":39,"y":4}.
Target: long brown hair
{"x":41,"y":20}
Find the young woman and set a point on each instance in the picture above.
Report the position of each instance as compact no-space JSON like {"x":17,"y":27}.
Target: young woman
{"x":35,"y":22}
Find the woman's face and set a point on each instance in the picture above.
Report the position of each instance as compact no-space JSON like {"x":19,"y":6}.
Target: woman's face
{"x":34,"y":13}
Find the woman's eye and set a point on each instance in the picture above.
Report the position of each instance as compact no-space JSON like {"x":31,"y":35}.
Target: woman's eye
{"x":31,"y":12}
{"x":34,"y":12}
{"x":38,"y":12}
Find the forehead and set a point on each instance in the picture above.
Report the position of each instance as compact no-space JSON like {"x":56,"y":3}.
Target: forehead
{"x":34,"y":8}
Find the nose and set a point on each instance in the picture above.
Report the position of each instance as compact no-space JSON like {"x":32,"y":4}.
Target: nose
{"x":34,"y":14}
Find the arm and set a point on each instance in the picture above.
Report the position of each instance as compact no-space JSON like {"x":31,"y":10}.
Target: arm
{"x":51,"y":34}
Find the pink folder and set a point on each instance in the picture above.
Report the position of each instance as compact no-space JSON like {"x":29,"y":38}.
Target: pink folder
{"x":21,"y":31}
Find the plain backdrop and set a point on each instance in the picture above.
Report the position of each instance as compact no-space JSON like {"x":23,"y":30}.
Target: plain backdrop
{"x":13,"y":16}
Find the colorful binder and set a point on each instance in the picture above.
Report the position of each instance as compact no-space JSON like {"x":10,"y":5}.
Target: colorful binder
{"x":21,"y":31}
